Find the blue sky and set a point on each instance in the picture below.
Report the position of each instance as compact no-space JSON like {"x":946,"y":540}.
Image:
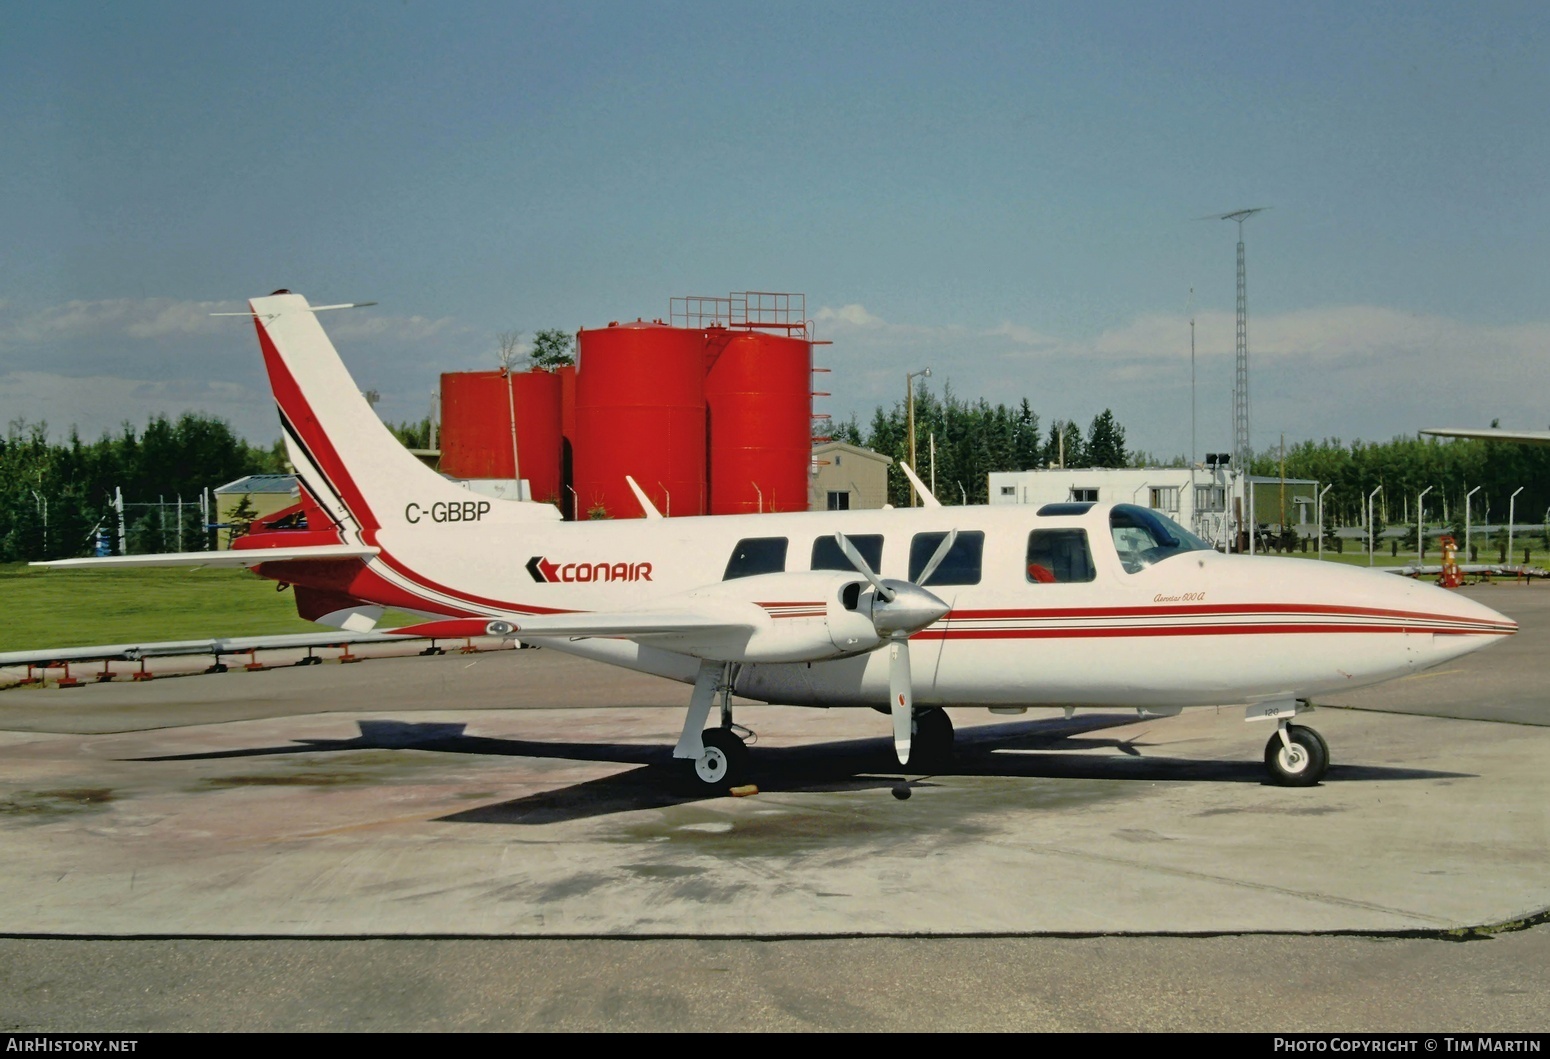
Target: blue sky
{"x":1009,"y":193}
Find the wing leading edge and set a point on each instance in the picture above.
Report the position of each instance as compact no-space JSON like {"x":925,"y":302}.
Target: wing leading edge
{"x":1525,"y":437}
{"x":244,"y":557}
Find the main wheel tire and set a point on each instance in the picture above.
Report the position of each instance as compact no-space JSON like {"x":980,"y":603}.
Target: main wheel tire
{"x":1304,"y":764}
{"x":722,"y":764}
{"x":931,"y":740}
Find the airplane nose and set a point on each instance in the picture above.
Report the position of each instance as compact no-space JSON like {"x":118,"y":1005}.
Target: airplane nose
{"x":1458,"y":624}
{"x":1473,"y":611}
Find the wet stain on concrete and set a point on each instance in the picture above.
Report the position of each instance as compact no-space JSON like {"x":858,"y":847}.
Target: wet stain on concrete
{"x":662,"y":871}
{"x":45,"y":805}
{"x":356,"y":769}
{"x":1274,"y":810}
{"x":948,"y":810}
{"x":294,"y":779}
{"x":575,"y":886}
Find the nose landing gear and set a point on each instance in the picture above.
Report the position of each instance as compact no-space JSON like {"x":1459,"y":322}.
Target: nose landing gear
{"x":1296,"y":756}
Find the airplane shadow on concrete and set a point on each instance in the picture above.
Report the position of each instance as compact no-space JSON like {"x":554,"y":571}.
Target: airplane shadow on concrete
{"x":1036,"y":749}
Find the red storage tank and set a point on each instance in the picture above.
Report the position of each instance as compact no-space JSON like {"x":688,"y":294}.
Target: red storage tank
{"x":640,"y":410}
{"x":758,"y":395}
{"x":476,"y":414}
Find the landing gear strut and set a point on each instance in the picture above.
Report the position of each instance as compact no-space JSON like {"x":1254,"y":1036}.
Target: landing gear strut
{"x":1296,"y":756}
{"x":713,"y":760}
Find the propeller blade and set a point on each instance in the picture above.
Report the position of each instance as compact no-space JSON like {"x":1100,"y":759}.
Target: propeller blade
{"x":937,"y":557}
{"x":862,"y":568}
{"x":901,"y":697}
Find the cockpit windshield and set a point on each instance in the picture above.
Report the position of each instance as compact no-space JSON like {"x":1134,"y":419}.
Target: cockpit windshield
{"x":1143,"y":537}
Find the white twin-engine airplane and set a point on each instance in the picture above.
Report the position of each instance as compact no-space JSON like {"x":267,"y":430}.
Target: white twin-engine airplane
{"x":1073,"y":605}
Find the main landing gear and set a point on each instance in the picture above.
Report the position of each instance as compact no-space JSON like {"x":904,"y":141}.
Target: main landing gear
{"x":723,"y":761}
{"x":713,"y":760}
{"x":931,"y":740}
{"x":1296,"y":756}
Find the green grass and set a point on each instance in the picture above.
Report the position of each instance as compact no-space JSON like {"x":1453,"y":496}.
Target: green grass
{"x":78,"y":608}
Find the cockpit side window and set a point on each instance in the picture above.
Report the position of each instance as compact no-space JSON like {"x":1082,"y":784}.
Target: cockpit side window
{"x":756,"y":555}
{"x":1059,"y":556}
{"x":1143,"y":537}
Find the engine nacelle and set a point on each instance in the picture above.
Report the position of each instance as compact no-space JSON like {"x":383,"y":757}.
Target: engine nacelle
{"x":805,"y":617}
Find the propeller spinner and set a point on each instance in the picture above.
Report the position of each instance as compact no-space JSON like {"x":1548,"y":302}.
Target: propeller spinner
{"x":900,"y":608}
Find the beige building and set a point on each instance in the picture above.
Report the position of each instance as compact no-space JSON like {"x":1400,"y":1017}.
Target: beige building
{"x":264,"y":494}
{"x":847,"y":476}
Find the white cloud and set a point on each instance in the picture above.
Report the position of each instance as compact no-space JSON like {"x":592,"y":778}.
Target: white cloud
{"x":1338,"y":371}
{"x":1342,"y":371}
{"x":358,"y":326}
{"x":100,"y":403}
{"x":1024,"y":336}
{"x":852,"y":315}
{"x":148,"y":318}
{"x":153,"y":319}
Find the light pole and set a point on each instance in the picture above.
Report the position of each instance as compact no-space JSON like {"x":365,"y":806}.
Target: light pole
{"x":1420,"y":527}
{"x":909,"y":394}
{"x":1326,"y":489}
{"x":1512,"y":503}
{"x":1468,"y":529}
{"x":1370,"y":535}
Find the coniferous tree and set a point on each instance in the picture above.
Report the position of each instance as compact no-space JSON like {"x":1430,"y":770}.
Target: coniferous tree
{"x":1105,"y":442}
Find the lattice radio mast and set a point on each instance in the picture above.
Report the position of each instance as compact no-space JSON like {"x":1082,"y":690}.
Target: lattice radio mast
{"x":1241,"y":449}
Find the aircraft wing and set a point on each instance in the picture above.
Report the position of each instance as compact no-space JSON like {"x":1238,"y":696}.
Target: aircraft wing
{"x":1526,"y":437}
{"x":235,"y":557}
{"x":628,"y":624}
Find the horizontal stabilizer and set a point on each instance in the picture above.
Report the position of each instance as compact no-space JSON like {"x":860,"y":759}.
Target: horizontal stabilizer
{"x":236,"y":557}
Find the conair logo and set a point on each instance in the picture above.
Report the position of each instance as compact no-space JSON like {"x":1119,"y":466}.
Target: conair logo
{"x":545,"y":571}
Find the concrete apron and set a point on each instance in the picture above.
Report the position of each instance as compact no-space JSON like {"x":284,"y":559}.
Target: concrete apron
{"x":543,"y":822}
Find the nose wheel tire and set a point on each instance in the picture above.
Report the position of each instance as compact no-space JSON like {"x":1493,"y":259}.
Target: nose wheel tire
{"x":722,"y":764}
{"x":1303,"y":764}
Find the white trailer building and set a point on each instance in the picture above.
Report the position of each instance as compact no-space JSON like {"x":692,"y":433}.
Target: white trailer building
{"x":1209,"y":501}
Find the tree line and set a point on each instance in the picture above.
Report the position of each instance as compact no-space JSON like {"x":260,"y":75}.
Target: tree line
{"x":54,"y":496}
{"x":974,"y":438}
{"x":1404,"y":466}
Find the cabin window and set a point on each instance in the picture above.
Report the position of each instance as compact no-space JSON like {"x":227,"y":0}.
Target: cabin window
{"x":1059,"y":556}
{"x":1009,"y":490}
{"x":1143,"y":537}
{"x":839,"y":501}
{"x":1084,"y":495}
{"x":827,"y":554}
{"x":962,"y":565}
{"x":756,"y":555}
